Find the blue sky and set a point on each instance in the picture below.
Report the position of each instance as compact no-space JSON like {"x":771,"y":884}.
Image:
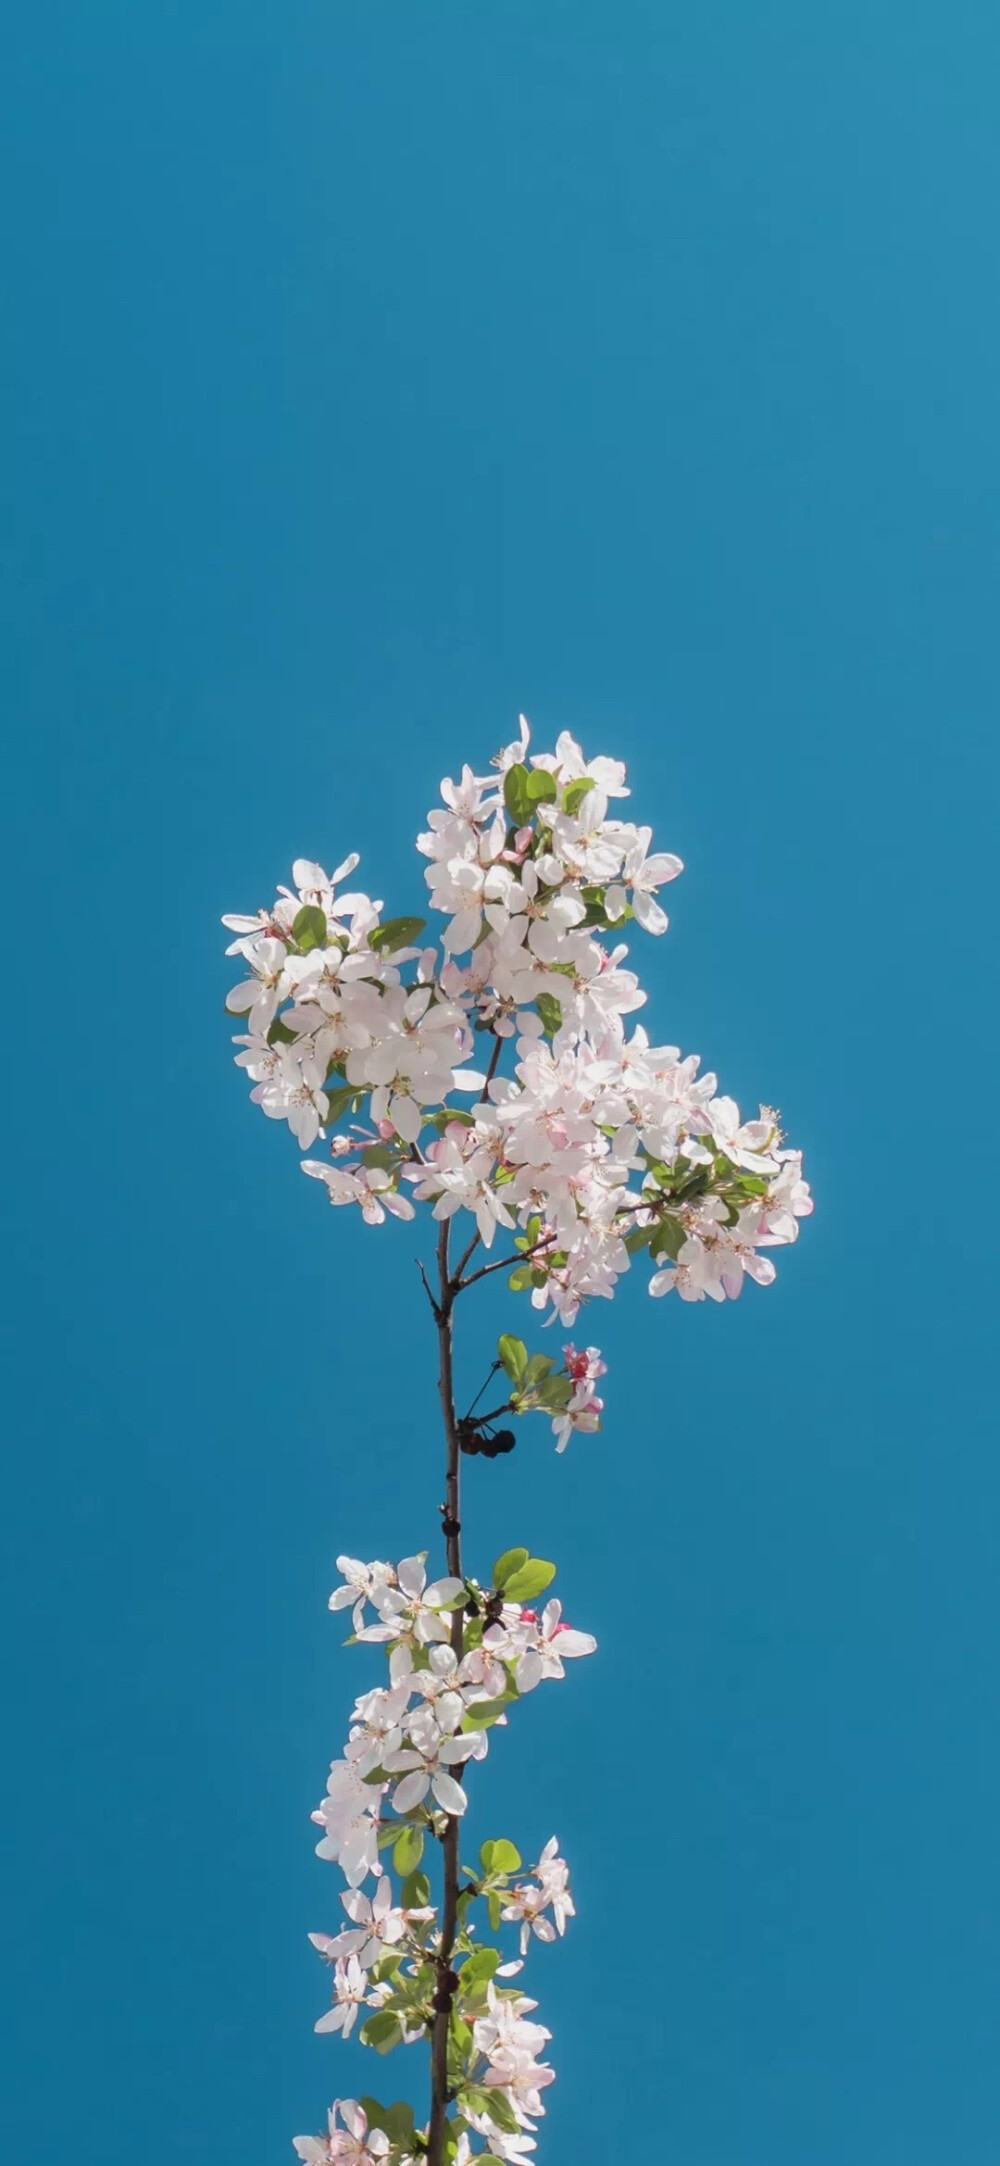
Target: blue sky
{"x":376,"y":371}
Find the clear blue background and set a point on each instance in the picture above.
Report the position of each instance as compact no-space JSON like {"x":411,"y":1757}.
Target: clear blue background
{"x":373,"y":371}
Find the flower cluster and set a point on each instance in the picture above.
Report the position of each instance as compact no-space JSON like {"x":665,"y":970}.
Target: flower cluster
{"x":398,"y":1785}
{"x":594,"y":1145}
{"x":494,"y":1073}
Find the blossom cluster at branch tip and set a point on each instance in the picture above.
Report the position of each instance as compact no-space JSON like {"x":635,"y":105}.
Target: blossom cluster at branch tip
{"x":409,"y":1740}
{"x":494,"y":1076}
{"x":573,"y":1136}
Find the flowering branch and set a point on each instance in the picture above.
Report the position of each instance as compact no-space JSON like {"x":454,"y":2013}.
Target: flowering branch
{"x":598,"y":1148}
{"x":452,"y":1530}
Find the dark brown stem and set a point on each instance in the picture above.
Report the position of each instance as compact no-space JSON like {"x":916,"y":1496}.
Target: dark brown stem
{"x":494,"y":1413}
{"x":451,"y":1521}
{"x":464,"y":1258}
{"x":484,"y":1094}
{"x":507,"y":1263}
{"x":500,"y":1263}
{"x":492,"y":1069}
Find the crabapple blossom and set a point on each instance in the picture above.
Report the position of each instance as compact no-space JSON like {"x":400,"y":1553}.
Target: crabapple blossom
{"x":361,"y":1583}
{"x":490,"y":1082}
{"x":350,"y":1988}
{"x":348,"y":1814}
{"x":352,"y":2145}
{"x":530,"y":1902}
{"x":552,"y":1643}
{"x":424,"y":1765}
{"x":412,"y":1611}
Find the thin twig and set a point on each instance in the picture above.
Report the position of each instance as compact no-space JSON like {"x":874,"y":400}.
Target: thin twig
{"x":508,"y":1263}
{"x":464,"y":1258}
{"x":427,"y":1288}
{"x":484,"y":1094}
{"x":502,"y":1263}
{"x":494,"y":1413}
{"x":488,"y":1378}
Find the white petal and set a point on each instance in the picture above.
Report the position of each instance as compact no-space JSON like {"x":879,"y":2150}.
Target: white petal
{"x":411,"y":1576}
{"x":648,"y":913}
{"x":442,"y":1591}
{"x":411,"y":1791}
{"x":450,"y":1795}
{"x":406,"y":1117}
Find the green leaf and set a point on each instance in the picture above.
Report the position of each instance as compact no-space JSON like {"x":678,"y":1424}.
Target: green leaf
{"x":555,"y":1393}
{"x":512,"y":1561}
{"x":513,"y":1356}
{"x":501,"y":2114}
{"x":637,"y":1239}
{"x":494,"y":1904}
{"x":520,"y":1278}
{"x":540,"y":1366}
{"x":500,"y":1856}
{"x":279,"y":1033}
{"x":667,"y":1238}
{"x":340,"y":1102}
{"x":515,"y":794}
{"x":484,"y":1713}
{"x":478,"y":1967}
{"x":461,"y":2034}
{"x":532,"y":1579}
{"x":395,"y":2121}
{"x":550,"y":1010}
{"x":415,"y":1893}
{"x":382,"y":2031}
{"x":379,"y":1155}
{"x":575,"y":792}
{"x":543,"y":788}
{"x":594,"y":899}
{"x":395,"y":933}
{"x":309,"y":928}
{"x":408,"y":1851}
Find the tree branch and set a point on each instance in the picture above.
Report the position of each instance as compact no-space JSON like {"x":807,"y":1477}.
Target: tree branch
{"x":501,"y":1263}
{"x":451,"y":1525}
{"x":456,"y":1276}
{"x":464,"y":1258}
{"x":492,"y":1069}
{"x":494,"y":1414}
{"x":508,"y":1263}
